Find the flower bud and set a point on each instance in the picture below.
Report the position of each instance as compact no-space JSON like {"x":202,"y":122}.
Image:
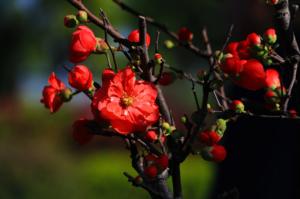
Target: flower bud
{"x":201,"y":74}
{"x":134,"y":37}
{"x":209,"y":138}
{"x":151,"y":171}
{"x":138,"y":180}
{"x":185,"y":35}
{"x":270,"y":36}
{"x":82,"y":16}
{"x":158,"y":58}
{"x":83,"y":44}
{"x":162,"y":162}
{"x":293,"y":113}
{"x":273,"y":2}
{"x":221,"y":126}
{"x":237,"y":106}
{"x":70,"y":21}
{"x":183,"y":119}
{"x":254,"y":39}
{"x":81,"y":78}
{"x":102,"y":46}
{"x":151,"y":136}
{"x":167,"y":78}
{"x":66,"y":94}
{"x":271,"y":97}
{"x":216,"y":153}
{"x":169,"y":44}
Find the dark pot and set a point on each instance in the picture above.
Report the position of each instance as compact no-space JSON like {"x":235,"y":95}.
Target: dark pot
{"x":263,"y":160}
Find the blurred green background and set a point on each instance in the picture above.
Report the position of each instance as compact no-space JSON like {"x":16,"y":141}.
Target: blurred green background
{"x":38,"y":158}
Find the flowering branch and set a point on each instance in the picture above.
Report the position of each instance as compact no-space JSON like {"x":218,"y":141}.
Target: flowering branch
{"x":189,"y":46}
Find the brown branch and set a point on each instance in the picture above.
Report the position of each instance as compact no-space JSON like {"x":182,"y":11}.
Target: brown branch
{"x":287,"y":39}
{"x":189,"y":46}
{"x":106,"y":24}
{"x":211,"y":61}
{"x":97,"y":21}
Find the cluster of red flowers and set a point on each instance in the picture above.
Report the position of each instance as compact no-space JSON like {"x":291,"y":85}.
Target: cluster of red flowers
{"x":123,"y":102}
{"x":154,"y":165}
{"x":243,"y":60}
{"x":211,"y":149}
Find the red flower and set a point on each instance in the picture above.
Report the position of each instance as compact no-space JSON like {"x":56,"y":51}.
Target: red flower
{"x":237,"y":106}
{"x":292,"y":113}
{"x":81,"y":133}
{"x":243,"y":50}
{"x":53,"y":93}
{"x":232,"y":49}
{"x":162,"y":162}
{"x":272,"y":79}
{"x":184,"y":34}
{"x":134,"y":36}
{"x":128,"y":104}
{"x":270,"y":35}
{"x":151,"y":171}
{"x":209,"y":137}
{"x":232,"y":65}
{"x":107,"y":76}
{"x":216,"y":153}
{"x":151,"y":136}
{"x":253,"y":39}
{"x":167,"y":78}
{"x":81,"y":78}
{"x":83,"y":44}
{"x":252,"y":77}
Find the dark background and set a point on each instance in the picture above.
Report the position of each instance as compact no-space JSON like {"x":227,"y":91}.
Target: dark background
{"x":38,"y":158}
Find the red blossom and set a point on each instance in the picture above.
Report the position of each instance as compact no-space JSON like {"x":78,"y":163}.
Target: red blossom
{"x":151,"y":171}
{"x":237,"y":105}
{"x":209,"y":137}
{"x":218,"y":153}
{"x":163,"y":162}
{"x":272,"y":78}
{"x":232,"y":49}
{"x":253,"y":39}
{"x":252,"y":77}
{"x":134,"y":36}
{"x":232,"y":65}
{"x":243,"y":50}
{"x":151,"y":136}
{"x":128,"y":104}
{"x":167,"y":78}
{"x":83,"y":44}
{"x":81,"y":78}
{"x":52,"y":94}
{"x":184,"y":34}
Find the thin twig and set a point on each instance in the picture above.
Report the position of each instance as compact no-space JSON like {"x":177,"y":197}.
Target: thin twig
{"x":188,"y":45}
{"x":156,"y":41}
{"x":229,"y":35}
{"x":195,"y":96}
{"x":106,"y":23}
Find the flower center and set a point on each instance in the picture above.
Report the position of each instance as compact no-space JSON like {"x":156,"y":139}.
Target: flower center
{"x":126,"y":100}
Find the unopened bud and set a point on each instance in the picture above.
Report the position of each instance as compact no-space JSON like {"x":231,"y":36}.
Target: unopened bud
{"x":70,"y":21}
{"x":66,"y":94}
{"x":82,"y":16}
